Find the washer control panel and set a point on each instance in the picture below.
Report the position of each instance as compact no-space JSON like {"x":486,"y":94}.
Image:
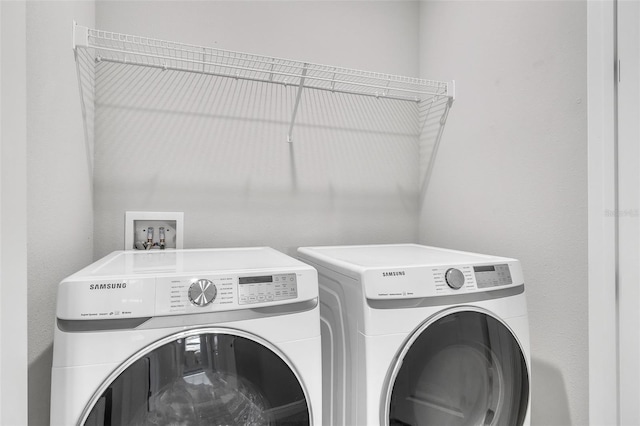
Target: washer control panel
{"x":176,"y":295}
{"x":209,"y":293}
{"x":202,"y":292}
{"x":198,"y":282}
{"x":267,"y":288}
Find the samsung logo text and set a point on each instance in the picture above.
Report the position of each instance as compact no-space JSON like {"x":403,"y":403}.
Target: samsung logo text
{"x":107,"y":286}
{"x":393,"y":274}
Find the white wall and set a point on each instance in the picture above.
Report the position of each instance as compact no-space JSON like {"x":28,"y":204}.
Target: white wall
{"x":603,"y":262}
{"x":628,"y":211}
{"x":13,"y":207}
{"x":59,"y":202}
{"x":215,"y":148}
{"x":511,"y":177}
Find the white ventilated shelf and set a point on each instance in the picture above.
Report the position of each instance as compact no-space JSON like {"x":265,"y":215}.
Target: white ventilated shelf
{"x":94,"y":47}
{"x":168,"y":55}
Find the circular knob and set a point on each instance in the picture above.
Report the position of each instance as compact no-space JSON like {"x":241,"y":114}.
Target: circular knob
{"x":202,"y":292}
{"x":454,"y":278}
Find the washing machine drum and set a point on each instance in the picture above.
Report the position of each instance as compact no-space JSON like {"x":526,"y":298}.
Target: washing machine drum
{"x":203,"y":379}
{"x":467,"y":369}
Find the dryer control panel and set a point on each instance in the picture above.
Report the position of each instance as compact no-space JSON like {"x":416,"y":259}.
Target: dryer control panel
{"x":440,"y":280}
{"x":492,"y":275}
{"x":411,"y":271}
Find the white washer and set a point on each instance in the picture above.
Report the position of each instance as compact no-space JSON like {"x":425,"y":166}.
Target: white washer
{"x":416,"y":335}
{"x":215,"y":336}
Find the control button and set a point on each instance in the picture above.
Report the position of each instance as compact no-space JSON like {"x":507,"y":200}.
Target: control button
{"x":202,"y":292}
{"x":454,"y":278}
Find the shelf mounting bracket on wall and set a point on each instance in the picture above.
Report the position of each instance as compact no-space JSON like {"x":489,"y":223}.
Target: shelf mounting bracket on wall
{"x":295,"y":107}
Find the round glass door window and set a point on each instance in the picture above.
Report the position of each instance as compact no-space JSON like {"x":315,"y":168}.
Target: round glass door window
{"x":204,"y":379}
{"x":465,"y":369}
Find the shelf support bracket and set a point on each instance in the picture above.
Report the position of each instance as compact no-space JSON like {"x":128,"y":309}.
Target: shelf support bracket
{"x":295,"y":107}
{"x":436,"y":143}
{"x":426,"y":115}
{"x":80,"y":36}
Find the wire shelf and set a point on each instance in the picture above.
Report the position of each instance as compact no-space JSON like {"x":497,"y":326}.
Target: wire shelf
{"x":96,"y":51}
{"x":108,"y":46}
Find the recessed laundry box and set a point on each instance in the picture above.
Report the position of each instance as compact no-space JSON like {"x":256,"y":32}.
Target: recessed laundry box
{"x":198,"y":337}
{"x":417,"y":335}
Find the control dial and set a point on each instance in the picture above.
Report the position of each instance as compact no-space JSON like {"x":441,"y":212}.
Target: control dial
{"x":454,"y":278}
{"x":202,"y":292}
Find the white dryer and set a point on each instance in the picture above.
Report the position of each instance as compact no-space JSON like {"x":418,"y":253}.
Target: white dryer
{"x":188,"y":337}
{"x":416,"y":335}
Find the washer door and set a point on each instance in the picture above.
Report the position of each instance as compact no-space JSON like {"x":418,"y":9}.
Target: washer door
{"x":466,"y":368}
{"x":202,"y":378}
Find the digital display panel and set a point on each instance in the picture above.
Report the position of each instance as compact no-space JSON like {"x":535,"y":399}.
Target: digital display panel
{"x":492,"y":275}
{"x":255,"y":280}
{"x":267,"y":288}
{"x":488,"y":268}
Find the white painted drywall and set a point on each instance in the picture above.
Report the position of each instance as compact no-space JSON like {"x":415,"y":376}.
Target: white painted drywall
{"x":628,"y":211}
{"x":511,"y":176}
{"x":603,"y":295}
{"x":216,"y":148}
{"x":13,"y":207}
{"x":59,"y":201}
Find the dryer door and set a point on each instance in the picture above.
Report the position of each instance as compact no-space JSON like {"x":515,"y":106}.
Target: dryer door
{"x":203,"y":378}
{"x":466,"y":368}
